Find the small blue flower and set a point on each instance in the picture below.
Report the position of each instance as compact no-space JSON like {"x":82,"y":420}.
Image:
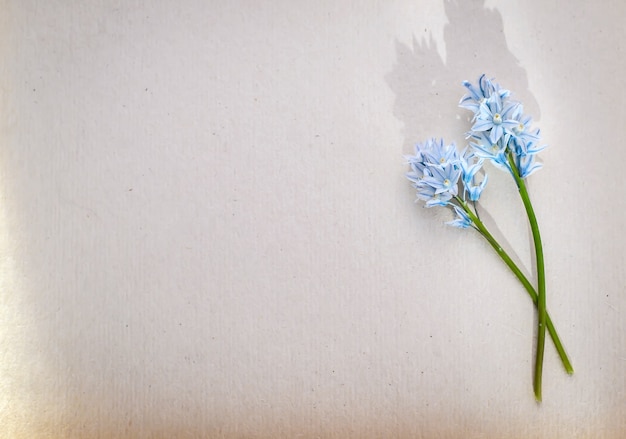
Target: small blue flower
{"x":444,"y":178}
{"x":534,"y":149}
{"x":526,"y":165}
{"x":418,"y":164}
{"x":437,"y":152}
{"x":470,"y":168}
{"x":522,"y":137}
{"x":431,"y":152}
{"x":479,"y":94}
{"x":432,"y":198}
{"x":475,"y":191}
{"x":417,"y":172}
{"x":462,"y":220}
{"x":495,"y":116}
{"x":495,"y":152}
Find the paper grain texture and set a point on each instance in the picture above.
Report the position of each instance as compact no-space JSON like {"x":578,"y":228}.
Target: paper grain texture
{"x":205,"y":230}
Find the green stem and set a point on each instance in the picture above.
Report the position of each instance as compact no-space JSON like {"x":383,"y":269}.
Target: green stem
{"x":541,"y":277}
{"x":480,"y":227}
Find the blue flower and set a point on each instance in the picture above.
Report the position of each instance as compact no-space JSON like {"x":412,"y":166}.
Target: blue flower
{"x":501,"y":131}
{"x":534,"y":149}
{"x":469,"y":168}
{"x":444,"y":178}
{"x":437,"y":169}
{"x":437,"y":152}
{"x":462,"y":220}
{"x":432,"y":198}
{"x":496,"y":116}
{"x":496,"y":152}
{"x":435,"y":172}
{"x":522,"y":137}
{"x":479,"y":94}
{"x":431,"y":152}
{"x":527,"y":165}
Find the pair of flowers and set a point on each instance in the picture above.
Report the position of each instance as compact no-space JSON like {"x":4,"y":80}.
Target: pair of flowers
{"x":502,"y":134}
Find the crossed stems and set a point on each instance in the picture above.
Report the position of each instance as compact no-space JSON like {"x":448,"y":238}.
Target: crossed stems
{"x":538,"y":300}
{"x":541,"y":277}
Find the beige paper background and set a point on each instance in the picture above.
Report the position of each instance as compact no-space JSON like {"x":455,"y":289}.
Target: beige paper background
{"x":205,"y":230}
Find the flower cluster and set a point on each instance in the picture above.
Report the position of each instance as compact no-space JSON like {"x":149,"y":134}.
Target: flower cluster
{"x":437,"y":171}
{"x":501,"y":132}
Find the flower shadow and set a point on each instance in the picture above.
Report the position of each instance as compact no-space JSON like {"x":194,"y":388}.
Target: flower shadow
{"x":428,"y":88}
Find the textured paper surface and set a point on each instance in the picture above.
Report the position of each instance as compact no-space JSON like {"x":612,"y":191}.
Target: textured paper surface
{"x":205,"y":230}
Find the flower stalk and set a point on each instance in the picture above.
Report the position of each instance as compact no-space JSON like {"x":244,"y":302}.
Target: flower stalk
{"x":482,"y":229}
{"x":541,"y":277}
